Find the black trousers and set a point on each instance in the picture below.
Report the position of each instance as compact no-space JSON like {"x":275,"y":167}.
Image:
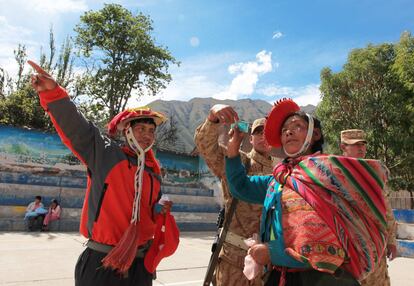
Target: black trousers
{"x":313,"y":278}
{"x":35,"y":223}
{"x":89,"y":272}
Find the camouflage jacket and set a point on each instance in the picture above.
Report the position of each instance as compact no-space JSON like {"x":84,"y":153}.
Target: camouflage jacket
{"x":391,"y":223}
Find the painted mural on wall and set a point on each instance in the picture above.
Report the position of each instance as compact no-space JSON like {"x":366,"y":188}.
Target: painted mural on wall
{"x":18,"y":145}
{"x":32,"y":146}
{"x":181,"y":169}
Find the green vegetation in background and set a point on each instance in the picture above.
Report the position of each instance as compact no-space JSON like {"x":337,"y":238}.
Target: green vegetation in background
{"x":117,"y":58}
{"x":375,"y":92}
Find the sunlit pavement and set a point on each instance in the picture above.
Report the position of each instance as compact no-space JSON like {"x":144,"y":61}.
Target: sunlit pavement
{"x":42,"y":259}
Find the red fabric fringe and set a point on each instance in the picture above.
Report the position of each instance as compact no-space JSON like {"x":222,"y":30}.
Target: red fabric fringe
{"x":123,"y":254}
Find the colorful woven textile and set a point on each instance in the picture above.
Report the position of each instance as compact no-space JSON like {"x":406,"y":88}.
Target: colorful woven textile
{"x":308,"y":238}
{"x":347,"y":194}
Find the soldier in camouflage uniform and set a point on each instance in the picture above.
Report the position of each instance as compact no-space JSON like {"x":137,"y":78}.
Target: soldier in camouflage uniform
{"x":354,"y":144}
{"x":246,"y":218}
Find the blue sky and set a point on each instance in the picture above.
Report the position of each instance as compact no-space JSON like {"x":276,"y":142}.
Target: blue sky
{"x":228,"y":49}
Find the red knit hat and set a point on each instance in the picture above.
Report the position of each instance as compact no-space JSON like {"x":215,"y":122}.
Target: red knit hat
{"x":119,"y":122}
{"x":166,"y":240}
{"x":281,"y":110}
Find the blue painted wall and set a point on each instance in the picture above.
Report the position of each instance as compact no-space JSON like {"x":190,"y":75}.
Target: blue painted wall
{"x":36,"y":146}
{"x":22,"y":145}
{"x":19,"y":145}
{"x":405,"y":216}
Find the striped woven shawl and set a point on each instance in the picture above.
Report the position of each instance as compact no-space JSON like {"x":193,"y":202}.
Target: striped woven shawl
{"x":347,"y":194}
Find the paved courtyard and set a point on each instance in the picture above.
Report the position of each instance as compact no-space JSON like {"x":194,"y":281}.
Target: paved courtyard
{"x":42,"y":259}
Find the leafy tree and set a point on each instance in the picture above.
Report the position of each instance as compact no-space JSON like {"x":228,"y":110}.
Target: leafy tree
{"x":373,"y":92}
{"x":5,"y":84}
{"x":62,"y":67}
{"x":166,"y":135}
{"x":121,"y":57}
{"x":20,"y":57}
{"x":404,"y":61}
{"x":20,"y":104}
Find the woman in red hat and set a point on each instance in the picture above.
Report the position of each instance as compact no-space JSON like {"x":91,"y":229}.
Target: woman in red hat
{"x":120,"y":213}
{"x":323,"y":217}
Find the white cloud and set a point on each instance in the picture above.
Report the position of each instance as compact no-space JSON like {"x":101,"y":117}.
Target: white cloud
{"x":183,"y":89}
{"x":9,"y":31}
{"x":310,"y":94}
{"x":302,"y":95}
{"x":10,"y":37}
{"x":277,"y":35}
{"x":200,"y":76}
{"x":194,"y":41}
{"x":28,"y":23}
{"x":57,"y":6}
{"x":247,"y":76}
{"x":275,"y":90}
{"x":207,"y":76}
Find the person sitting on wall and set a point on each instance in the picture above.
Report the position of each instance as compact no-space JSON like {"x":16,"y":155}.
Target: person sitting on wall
{"x":53,"y":214}
{"x":34,"y":213}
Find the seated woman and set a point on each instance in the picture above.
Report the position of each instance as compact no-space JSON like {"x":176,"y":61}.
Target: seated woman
{"x":53,"y":214}
{"x":35,"y":214}
{"x":323,"y":220}
{"x":32,"y":207}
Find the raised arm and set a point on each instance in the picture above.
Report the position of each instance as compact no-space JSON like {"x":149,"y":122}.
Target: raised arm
{"x":207,"y":134}
{"x":205,"y":138}
{"x":79,"y":135}
{"x":249,"y":189}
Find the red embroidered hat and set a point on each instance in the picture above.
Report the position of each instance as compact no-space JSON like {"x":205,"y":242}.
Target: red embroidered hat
{"x":281,"y":110}
{"x":166,"y":240}
{"x":119,"y":122}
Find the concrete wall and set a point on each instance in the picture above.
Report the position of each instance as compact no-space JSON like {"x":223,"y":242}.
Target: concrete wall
{"x":37,"y":163}
{"x":405,"y":232}
{"x":195,"y":208}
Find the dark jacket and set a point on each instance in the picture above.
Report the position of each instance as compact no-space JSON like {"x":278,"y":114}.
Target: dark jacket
{"x":111,"y":169}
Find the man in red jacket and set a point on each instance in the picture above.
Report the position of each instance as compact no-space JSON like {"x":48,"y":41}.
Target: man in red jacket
{"x":121,"y":207}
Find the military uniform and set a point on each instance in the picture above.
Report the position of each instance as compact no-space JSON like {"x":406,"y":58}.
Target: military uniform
{"x":246,"y":218}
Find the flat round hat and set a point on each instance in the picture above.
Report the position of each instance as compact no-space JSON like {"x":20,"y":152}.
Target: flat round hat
{"x":120,"y":121}
{"x":281,"y":110}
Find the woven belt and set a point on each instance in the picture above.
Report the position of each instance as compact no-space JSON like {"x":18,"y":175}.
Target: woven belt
{"x":107,"y":248}
{"x":236,"y":240}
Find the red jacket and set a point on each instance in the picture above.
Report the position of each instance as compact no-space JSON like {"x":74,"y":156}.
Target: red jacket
{"x":111,"y":169}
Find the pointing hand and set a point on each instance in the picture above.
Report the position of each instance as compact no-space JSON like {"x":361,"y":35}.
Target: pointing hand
{"x":41,"y":81}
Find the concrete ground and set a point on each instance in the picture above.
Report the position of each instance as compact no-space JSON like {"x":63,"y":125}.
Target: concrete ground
{"x":41,"y":259}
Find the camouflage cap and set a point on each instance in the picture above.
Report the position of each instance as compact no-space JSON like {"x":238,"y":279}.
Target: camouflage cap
{"x":257,"y":123}
{"x":352,"y":136}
